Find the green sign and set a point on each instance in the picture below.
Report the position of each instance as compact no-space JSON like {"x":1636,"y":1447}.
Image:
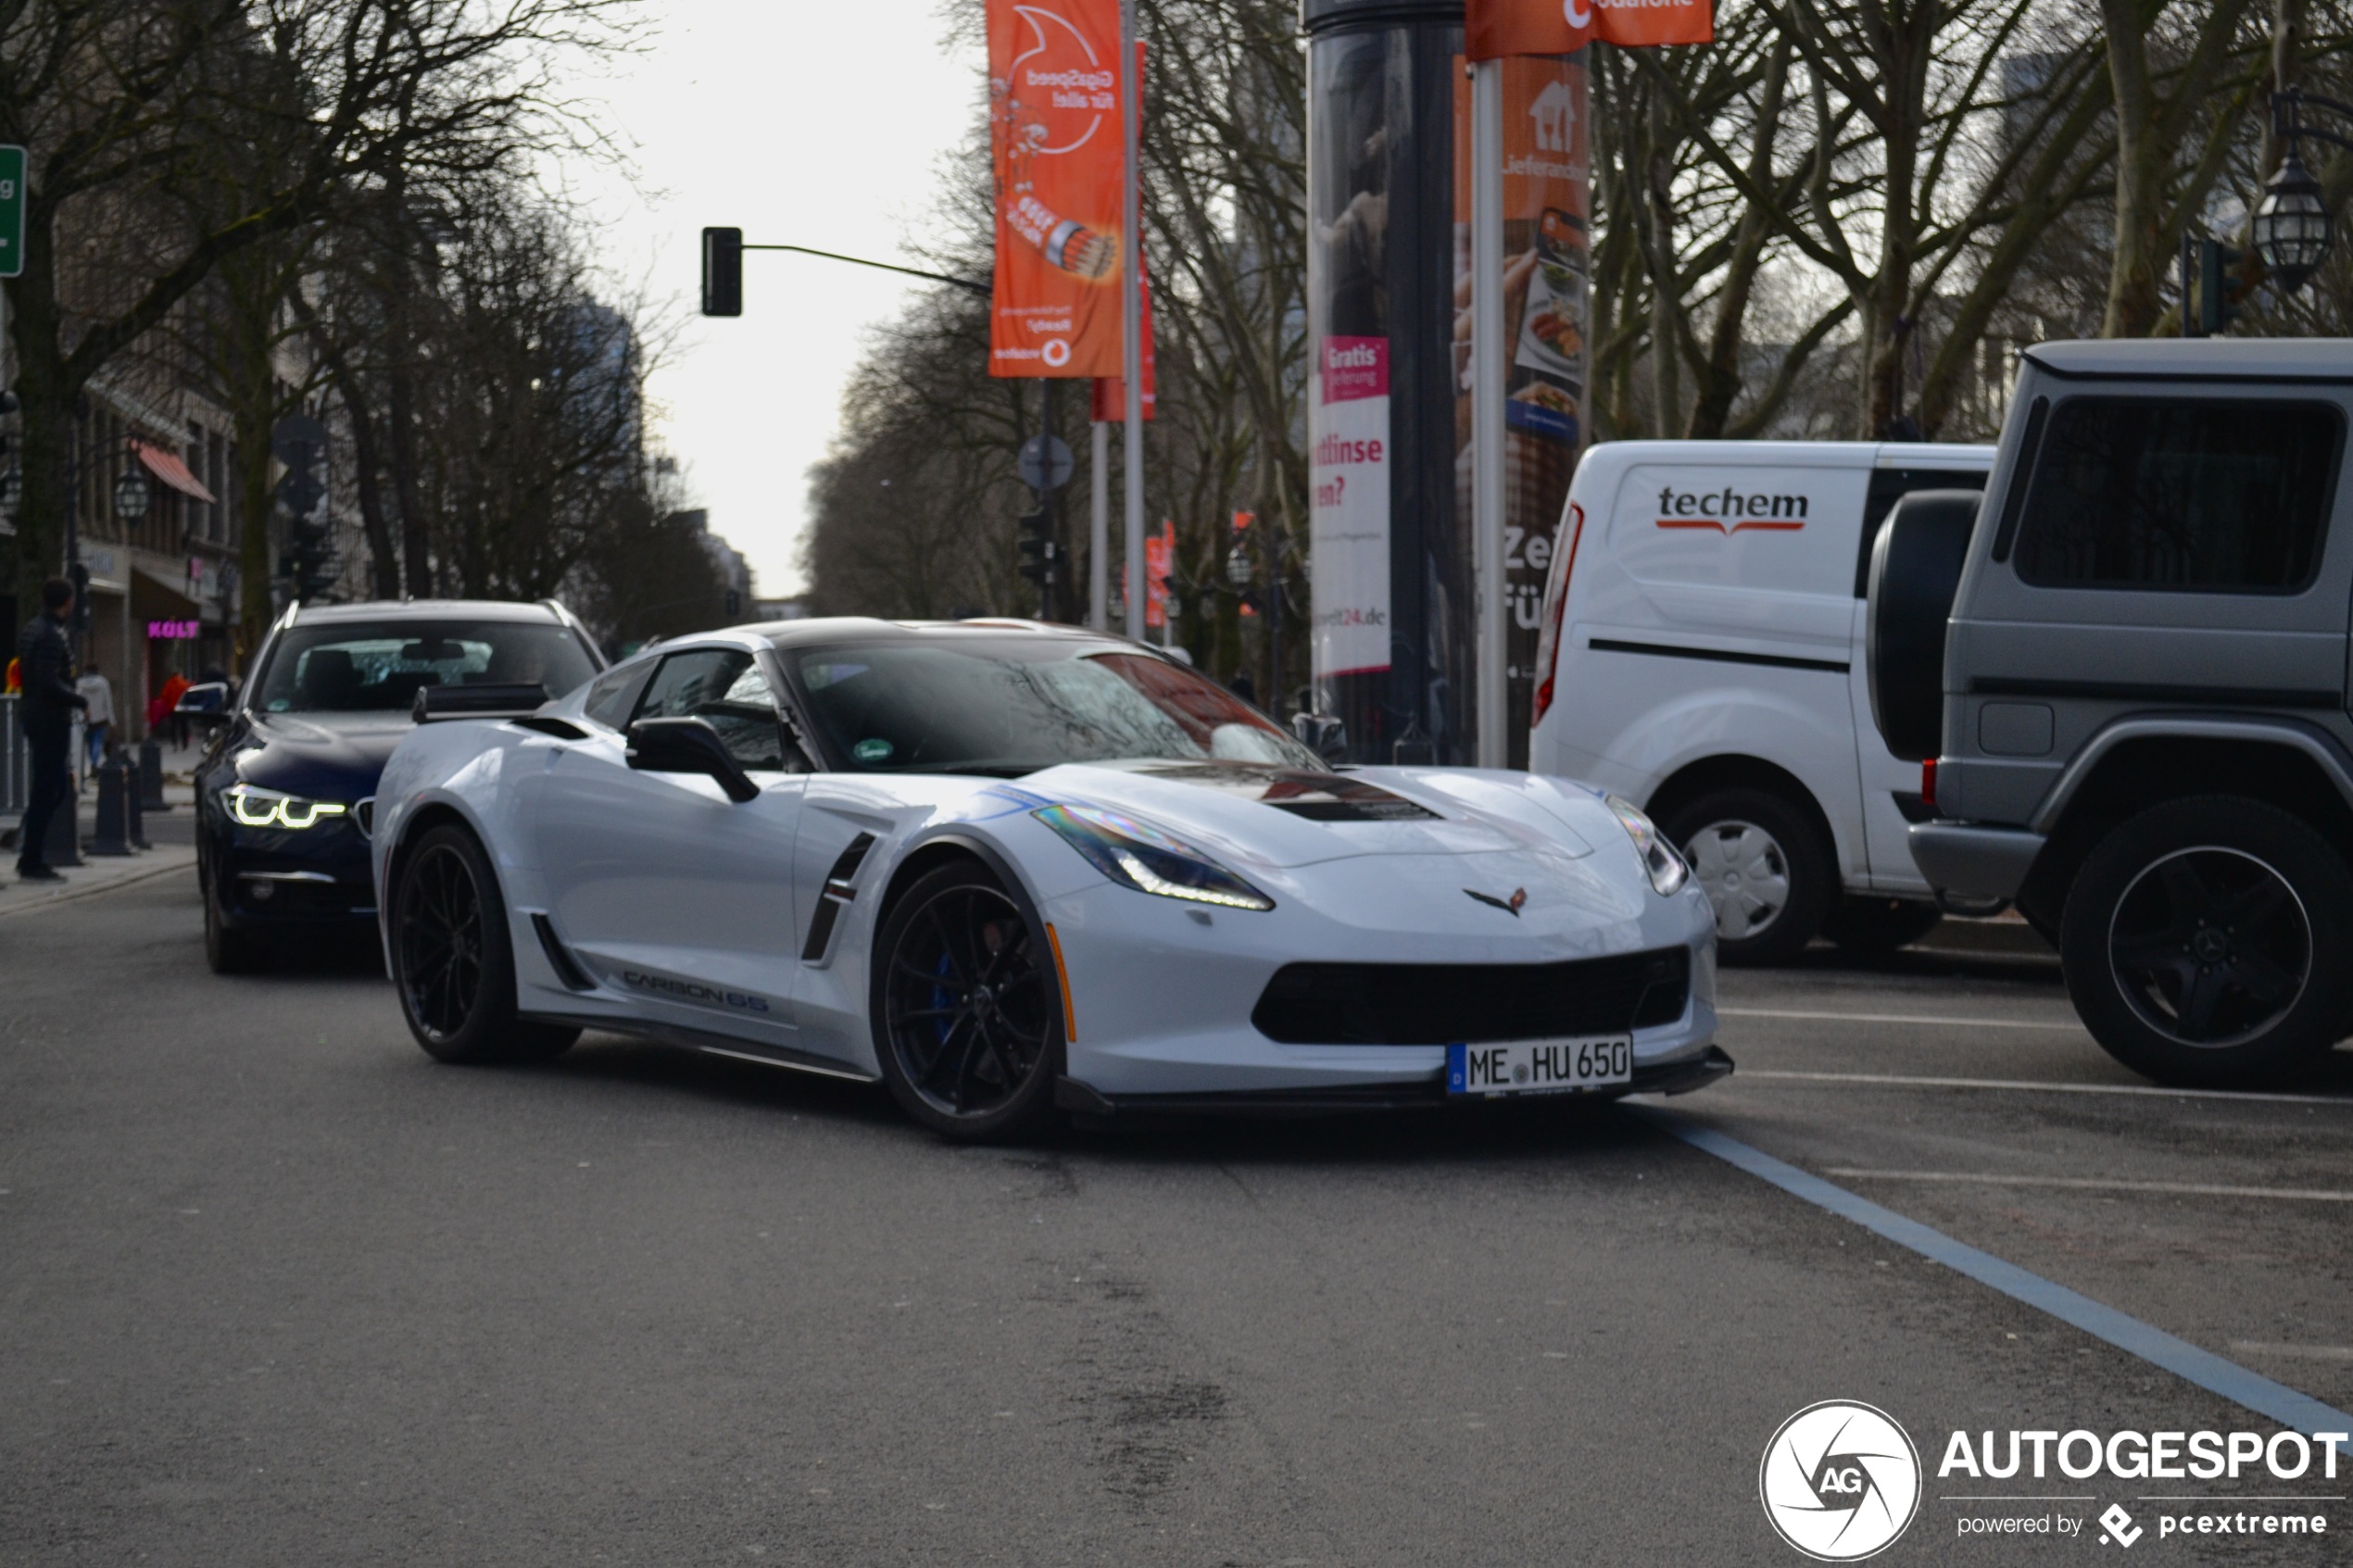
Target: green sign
{"x":11,"y":211}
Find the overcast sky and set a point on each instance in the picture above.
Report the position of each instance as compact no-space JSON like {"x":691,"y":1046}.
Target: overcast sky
{"x":802,"y":124}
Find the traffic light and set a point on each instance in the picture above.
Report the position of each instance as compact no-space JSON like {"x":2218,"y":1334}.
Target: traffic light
{"x":1036,"y":546}
{"x":2220,"y":287}
{"x":309,"y":563}
{"x":300,"y":442}
{"x":723,"y":271}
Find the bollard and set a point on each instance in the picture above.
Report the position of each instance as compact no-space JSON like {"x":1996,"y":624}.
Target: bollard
{"x":151,"y":776}
{"x":113,"y":836}
{"x":135,"y":800}
{"x":64,"y":847}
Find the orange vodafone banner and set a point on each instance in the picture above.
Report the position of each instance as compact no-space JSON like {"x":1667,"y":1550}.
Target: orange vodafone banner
{"x":1054,"y":131}
{"x":1493,"y":29}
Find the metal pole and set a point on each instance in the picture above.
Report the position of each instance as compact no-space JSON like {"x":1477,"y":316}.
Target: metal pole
{"x":1487,"y":403}
{"x":1132,"y":312}
{"x":1050,"y":501}
{"x":1099,"y":532}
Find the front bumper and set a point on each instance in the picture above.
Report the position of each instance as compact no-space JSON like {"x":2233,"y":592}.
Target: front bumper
{"x":1162,"y":995}
{"x":1973,"y":859}
{"x":273,"y":878}
{"x":1680,"y":1077}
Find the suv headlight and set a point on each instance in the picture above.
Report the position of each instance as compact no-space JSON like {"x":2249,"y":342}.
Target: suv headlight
{"x":1143,"y":857}
{"x":1666,"y":869}
{"x":254,"y":807}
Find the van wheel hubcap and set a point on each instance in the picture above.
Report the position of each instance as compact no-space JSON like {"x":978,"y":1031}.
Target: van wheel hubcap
{"x":1745,"y":875}
{"x":2210,"y":946}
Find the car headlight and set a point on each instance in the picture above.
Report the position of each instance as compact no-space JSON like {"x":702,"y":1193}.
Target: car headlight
{"x":1143,"y":857}
{"x":1666,"y":869}
{"x":257,"y":808}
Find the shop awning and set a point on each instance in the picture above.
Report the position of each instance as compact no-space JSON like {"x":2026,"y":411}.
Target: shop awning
{"x":171,"y":470}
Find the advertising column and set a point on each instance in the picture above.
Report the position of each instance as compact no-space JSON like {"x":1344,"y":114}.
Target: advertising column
{"x":1389,"y":570}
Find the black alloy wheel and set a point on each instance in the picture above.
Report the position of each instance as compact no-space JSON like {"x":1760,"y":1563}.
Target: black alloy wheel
{"x":2196,"y":938}
{"x":453,"y":962}
{"x":967,"y":1007}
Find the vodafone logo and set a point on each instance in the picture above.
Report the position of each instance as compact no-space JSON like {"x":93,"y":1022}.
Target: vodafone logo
{"x":1057,"y":352}
{"x":1840,"y":1481}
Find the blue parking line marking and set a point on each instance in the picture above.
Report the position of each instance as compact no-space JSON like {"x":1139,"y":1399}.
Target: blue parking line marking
{"x":2276,"y":1400}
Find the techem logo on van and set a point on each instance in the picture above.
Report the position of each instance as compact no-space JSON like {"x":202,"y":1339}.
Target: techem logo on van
{"x":1731,"y":512}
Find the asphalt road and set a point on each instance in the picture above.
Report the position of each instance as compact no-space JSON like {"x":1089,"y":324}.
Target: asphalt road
{"x":275,"y":1288}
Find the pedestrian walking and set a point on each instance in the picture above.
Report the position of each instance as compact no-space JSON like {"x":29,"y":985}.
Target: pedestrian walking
{"x":97,"y":716}
{"x":45,"y":714}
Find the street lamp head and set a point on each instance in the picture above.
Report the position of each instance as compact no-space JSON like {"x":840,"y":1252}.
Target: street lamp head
{"x":2291,"y":225}
{"x":131,"y":495}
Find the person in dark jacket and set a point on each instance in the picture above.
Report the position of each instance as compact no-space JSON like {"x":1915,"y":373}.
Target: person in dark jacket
{"x":45,"y":713}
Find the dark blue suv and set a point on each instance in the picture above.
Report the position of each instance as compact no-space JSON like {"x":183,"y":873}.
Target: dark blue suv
{"x":285,"y":793}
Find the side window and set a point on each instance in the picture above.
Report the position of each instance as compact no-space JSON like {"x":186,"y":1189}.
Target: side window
{"x":2166,"y":494}
{"x":611,"y":696}
{"x":724,"y":687}
{"x":1891,"y":485}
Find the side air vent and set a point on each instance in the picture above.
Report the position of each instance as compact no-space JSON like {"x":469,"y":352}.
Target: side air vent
{"x":841,"y":887}
{"x":567,"y":966}
{"x":363,"y":816}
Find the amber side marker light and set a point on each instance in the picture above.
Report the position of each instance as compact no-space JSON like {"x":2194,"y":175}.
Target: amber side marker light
{"x":1062,"y":973}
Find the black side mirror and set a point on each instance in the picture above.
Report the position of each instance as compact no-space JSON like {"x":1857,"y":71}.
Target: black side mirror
{"x":1322,"y":734}
{"x":688,"y":746}
{"x":206,"y":704}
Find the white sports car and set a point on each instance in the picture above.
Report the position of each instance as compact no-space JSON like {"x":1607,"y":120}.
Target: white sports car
{"x":1011,"y":869}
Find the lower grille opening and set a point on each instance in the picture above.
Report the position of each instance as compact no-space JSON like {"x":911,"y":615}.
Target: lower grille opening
{"x":1351,"y":1004}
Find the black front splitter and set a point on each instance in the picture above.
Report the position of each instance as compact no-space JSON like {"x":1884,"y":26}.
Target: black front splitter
{"x":1664,"y":1078}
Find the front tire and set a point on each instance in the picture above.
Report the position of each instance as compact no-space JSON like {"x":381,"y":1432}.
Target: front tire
{"x":452,"y":960}
{"x":1767,"y":869}
{"x":227,"y":950}
{"x":2202,"y":942}
{"x":967,"y":1007}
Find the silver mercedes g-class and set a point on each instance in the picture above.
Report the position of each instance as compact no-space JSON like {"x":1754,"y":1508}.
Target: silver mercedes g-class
{"x":2125,"y":676}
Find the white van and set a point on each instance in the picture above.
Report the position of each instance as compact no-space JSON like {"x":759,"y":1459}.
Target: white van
{"x":1701,"y":653}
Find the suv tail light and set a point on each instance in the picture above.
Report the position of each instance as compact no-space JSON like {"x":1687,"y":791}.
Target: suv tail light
{"x":1547,"y":640}
{"x":1927,"y":783}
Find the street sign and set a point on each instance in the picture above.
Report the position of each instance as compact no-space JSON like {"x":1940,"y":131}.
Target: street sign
{"x":11,"y":211}
{"x":1045,"y":462}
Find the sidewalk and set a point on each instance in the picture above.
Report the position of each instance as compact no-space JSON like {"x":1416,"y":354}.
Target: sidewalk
{"x":97,"y":873}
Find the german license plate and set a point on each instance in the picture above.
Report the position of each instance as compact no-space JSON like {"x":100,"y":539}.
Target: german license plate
{"x":1540,"y":1067}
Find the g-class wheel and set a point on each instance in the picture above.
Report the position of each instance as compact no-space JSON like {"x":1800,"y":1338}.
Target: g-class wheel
{"x":2198,"y":942}
{"x":1765,"y":868}
{"x":967,"y":1007}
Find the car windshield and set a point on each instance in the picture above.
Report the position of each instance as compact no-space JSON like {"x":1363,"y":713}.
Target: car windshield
{"x":1009,"y":706}
{"x":378,"y":667}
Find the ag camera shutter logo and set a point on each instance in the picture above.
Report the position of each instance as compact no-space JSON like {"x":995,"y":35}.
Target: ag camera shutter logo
{"x":1840,"y":1481}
